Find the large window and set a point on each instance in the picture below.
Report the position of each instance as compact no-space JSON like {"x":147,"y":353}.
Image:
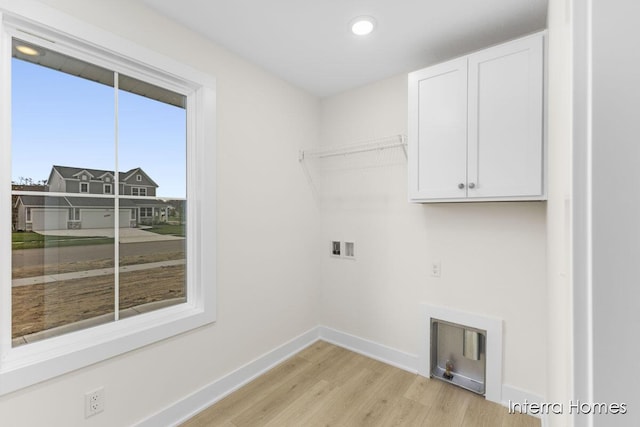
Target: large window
{"x":86,"y":257}
{"x":70,"y":275}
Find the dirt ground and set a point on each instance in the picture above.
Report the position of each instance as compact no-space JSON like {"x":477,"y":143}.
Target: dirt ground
{"x":19,"y":272}
{"x":43,"y":306}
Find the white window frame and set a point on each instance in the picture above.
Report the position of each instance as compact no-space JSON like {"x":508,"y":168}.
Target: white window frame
{"x":28,"y":364}
{"x":109,"y":186}
{"x":27,"y":216}
{"x":85,"y":185}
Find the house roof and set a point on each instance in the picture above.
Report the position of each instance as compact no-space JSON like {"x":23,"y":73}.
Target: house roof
{"x":85,"y":202}
{"x":70,"y":172}
{"x":48,"y":201}
{"x":96,"y":202}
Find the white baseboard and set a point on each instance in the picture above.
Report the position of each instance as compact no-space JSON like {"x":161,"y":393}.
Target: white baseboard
{"x":192,"y":404}
{"x":189,"y":406}
{"x":388,"y":355}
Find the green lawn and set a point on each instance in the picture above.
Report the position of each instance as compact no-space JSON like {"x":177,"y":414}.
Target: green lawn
{"x":30,"y":240}
{"x":174,"y":230}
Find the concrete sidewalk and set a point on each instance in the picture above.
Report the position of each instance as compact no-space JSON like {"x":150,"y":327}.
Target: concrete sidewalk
{"x":92,"y":273}
{"x":127,"y":235}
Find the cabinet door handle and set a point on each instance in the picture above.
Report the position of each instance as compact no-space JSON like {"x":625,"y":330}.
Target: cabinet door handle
{"x":472,"y":185}
{"x":461,"y":186}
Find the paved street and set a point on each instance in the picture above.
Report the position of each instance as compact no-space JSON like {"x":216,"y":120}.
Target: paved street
{"x":87,"y":253}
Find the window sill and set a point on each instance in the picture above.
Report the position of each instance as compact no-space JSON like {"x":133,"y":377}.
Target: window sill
{"x":46,"y":359}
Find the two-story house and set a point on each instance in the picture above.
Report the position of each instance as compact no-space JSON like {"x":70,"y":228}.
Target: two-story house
{"x":94,"y":205}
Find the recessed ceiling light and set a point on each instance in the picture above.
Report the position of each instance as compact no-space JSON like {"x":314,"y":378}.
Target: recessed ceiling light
{"x":363,"y":25}
{"x":27,"y":50}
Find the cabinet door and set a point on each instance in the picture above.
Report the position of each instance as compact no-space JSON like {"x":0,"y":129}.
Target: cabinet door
{"x":505,"y":120}
{"x":438,"y":131}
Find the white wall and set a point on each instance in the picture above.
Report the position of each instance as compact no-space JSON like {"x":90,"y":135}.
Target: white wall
{"x":616,"y":207}
{"x":268,"y":269}
{"x":492,"y":255}
{"x":270,"y":280}
{"x":559,"y":302}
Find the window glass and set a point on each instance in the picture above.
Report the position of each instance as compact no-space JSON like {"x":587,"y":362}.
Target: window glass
{"x":147,"y":109}
{"x":62,"y":123}
{"x":64,"y":276}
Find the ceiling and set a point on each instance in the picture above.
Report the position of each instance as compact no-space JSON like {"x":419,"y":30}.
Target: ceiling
{"x":309,"y":44}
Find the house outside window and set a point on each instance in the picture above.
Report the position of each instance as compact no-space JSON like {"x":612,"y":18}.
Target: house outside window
{"x":74,"y":214}
{"x":138,"y":191}
{"x":111,"y":89}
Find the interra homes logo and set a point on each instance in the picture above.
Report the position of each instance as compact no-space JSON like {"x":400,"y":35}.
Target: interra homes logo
{"x":572,"y":407}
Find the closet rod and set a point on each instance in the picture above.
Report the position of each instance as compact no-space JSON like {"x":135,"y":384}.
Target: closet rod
{"x":378,"y":144}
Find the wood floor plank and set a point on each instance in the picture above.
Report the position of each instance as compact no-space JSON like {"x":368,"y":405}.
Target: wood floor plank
{"x":345,"y":364}
{"x":326,"y":386}
{"x":482,"y":413}
{"x":245,"y":397}
{"x":337,"y":408}
{"x":424,"y":391}
{"x":519,"y":420}
{"x":404,"y":412}
{"x":269,"y":405}
{"x":380,"y":398}
{"x":306,"y":404}
{"x":449,"y":407}
{"x":316,"y":352}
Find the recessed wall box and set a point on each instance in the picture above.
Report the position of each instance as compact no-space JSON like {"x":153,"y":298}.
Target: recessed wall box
{"x":349,"y":250}
{"x":335,"y":248}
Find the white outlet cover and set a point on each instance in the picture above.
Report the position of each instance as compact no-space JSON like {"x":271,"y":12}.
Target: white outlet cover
{"x":435,"y":269}
{"x":94,"y":402}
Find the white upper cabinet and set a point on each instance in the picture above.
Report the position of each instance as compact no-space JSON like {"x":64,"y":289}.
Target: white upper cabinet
{"x":476,"y":126}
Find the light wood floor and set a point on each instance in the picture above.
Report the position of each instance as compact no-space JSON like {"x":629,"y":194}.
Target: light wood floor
{"x":325,"y":385}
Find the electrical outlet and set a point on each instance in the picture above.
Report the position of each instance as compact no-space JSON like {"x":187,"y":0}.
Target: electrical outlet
{"x":94,"y":402}
{"x":435,"y":269}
